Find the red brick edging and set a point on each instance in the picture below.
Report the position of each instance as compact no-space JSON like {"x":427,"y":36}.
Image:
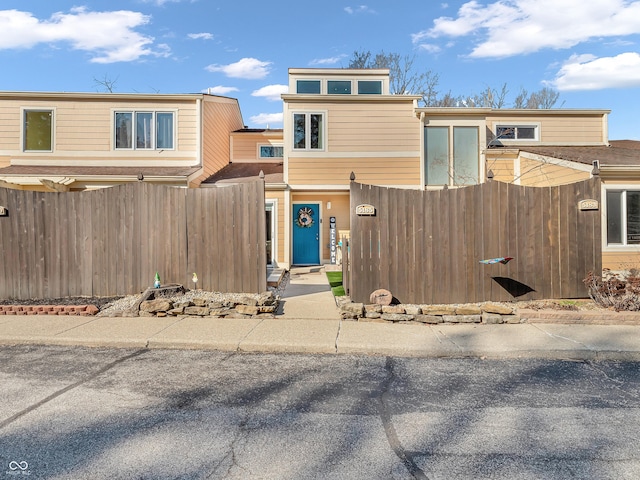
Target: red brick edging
{"x":81,"y":310}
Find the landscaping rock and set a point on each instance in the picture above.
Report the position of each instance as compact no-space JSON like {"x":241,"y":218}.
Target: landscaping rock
{"x":492,"y":318}
{"x":381,"y":297}
{"x":397,"y":317}
{"x":248,"y":309}
{"x":199,"y":311}
{"x":412,"y":310}
{"x":393,"y":309}
{"x":497,"y":308}
{"x":153,"y":306}
{"x":468,"y":310}
{"x":432,"y":319}
{"x":438,"y":309}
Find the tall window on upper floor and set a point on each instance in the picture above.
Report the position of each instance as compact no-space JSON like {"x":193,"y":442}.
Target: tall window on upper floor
{"x":452,"y":155}
{"x":144,"y":130}
{"x":38,"y":130}
{"x":623,"y":217}
{"x":308,"y":131}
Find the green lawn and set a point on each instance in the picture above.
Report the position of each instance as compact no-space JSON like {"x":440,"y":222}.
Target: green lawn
{"x":335,"y":281}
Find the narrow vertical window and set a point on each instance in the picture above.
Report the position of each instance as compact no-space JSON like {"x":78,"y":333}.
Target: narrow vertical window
{"x":124,"y":130}
{"x":299,"y":131}
{"x":436,"y":141}
{"x":308,"y":131}
{"x":164,"y":130}
{"x":38,"y":130}
{"x":633,"y":218}
{"x":465,"y":155}
{"x":614,"y":217}
{"x":143,"y":129}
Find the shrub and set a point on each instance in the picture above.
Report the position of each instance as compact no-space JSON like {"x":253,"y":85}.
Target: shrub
{"x":619,"y":291}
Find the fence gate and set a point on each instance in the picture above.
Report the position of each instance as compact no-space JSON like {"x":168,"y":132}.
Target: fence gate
{"x":426,"y":246}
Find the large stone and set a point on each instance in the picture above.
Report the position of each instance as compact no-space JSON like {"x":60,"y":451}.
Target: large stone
{"x":248,"y":309}
{"x":438,"y":309}
{"x":200,"y":302}
{"x":157,"y":305}
{"x":353,"y":309}
{"x":221,"y":312}
{"x":511,"y":318}
{"x":492,"y":318}
{"x":397,"y":317}
{"x":267,"y":308}
{"x":373,"y":308}
{"x":381,"y":297}
{"x":372,"y":315}
{"x":199,"y":311}
{"x":248,"y":301}
{"x":393,"y":309}
{"x":432,"y":319}
{"x":267,"y":298}
{"x":451,"y":318}
{"x":468,"y":310}
{"x":470,"y":318}
{"x":497,"y":308}
{"x":412,"y":310}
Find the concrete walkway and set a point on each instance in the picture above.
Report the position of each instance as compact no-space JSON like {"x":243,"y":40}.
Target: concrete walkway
{"x":310,"y":323}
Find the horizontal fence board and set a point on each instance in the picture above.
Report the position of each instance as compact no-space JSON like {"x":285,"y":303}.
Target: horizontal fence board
{"x":431,"y":242}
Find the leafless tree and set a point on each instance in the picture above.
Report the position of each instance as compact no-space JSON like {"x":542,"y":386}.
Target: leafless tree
{"x":106,"y":83}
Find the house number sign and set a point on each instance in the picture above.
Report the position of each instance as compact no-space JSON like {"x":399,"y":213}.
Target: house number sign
{"x":3,"y":212}
{"x":588,"y":204}
{"x":365,"y":209}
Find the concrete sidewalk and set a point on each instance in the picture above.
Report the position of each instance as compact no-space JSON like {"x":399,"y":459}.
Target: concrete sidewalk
{"x":310,"y":323}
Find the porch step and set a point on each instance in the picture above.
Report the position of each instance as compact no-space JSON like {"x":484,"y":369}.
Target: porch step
{"x":274,"y":276}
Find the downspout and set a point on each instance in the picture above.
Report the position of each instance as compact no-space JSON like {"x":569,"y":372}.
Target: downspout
{"x":423,"y":172}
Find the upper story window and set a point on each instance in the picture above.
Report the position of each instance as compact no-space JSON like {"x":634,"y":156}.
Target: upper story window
{"x":369,"y":87}
{"x":623,"y":217}
{"x":271,"y":151}
{"x":516,"y":132}
{"x":308,"y":131}
{"x":38,"y":130}
{"x":339,"y":87}
{"x":144,"y":130}
{"x":308,"y":86}
{"x":451,"y":155}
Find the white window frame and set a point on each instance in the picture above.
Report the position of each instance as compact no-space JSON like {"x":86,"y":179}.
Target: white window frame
{"x":451,"y":176}
{"x":273,"y":145}
{"x":23,"y":128}
{"x":154,"y":137}
{"x":624,"y":246}
{"x":308,"y":114}
{"x":535,"y":125}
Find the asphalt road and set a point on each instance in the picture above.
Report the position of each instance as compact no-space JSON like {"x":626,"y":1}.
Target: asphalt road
{"x":79,"y":413}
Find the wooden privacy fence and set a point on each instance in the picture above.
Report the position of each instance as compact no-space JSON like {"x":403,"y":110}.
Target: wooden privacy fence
{"x":425,"y":246}
{"x":112,"y":241}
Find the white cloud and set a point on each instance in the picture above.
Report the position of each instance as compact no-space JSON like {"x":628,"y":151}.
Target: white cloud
{"x":586,"y":72}
{"x":359,"y":9}
{"x":430,"y":48}
{"x":271,"y":92}
{"x":108,"y":36}
{"x":220,"y":90}
{"x":246,"y":68}
{"x":266,"y":119}
{"x":327,"y":61}
{"x":200,"y":36}
{"x":513,"y":27}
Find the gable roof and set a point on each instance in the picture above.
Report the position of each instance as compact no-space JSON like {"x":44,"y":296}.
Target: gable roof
{"x":618,"y":153}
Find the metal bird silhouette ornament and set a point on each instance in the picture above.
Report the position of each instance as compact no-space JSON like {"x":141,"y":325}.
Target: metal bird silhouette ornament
{"x":491,"y":261}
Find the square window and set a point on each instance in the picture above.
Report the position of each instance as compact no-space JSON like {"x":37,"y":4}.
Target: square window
{"x":452,"y":155}
{"x":38,"y":130}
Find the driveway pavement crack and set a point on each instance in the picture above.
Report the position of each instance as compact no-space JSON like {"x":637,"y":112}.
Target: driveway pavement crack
{"x":553,"y":335}
{"x":338,"y":334}
{"x":389,"y":429}
{"x":247,"y":335}
{"x":68,"y":388}
{"x":617,"y":384}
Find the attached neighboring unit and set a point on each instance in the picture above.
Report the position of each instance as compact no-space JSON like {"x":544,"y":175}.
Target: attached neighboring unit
{"x":77,"y":141}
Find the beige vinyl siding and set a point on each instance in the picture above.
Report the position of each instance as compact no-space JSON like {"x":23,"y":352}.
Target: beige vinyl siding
{"x":83,"y":129}
{"x":624,"y":260}
{"x":354,"y":131}
{"x":244,"y":145}
{"x":220,"y":117}
{"x":340,"y":208}
{"x":534,"y":173}
{"x":336,"y":171}
{"x":559,"y":129}
{"x":501,"y":163}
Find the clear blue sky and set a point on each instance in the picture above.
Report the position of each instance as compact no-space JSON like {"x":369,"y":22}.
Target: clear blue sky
{"x":586,"y":49}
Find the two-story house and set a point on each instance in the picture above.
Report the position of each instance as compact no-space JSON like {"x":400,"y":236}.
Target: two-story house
{"x":76,"y":141}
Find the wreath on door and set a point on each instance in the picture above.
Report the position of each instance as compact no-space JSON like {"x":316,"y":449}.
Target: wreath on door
{"x":305,"y":217}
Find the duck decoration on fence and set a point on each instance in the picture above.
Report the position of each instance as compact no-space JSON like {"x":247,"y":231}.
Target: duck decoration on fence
{"x":491,"y":261}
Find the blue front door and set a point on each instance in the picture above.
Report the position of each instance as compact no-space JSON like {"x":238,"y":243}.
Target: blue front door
{"x":306,"y":234}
